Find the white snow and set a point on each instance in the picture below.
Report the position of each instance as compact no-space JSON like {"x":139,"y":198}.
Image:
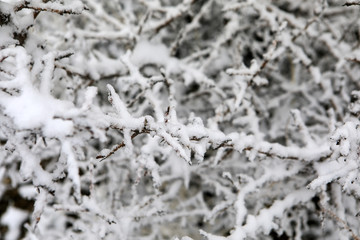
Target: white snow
{"x":146,"y":52}
{"x":13,"y":218}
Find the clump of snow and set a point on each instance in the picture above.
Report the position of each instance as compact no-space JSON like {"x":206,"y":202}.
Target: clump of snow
{"x":33,"y":110}
{"x":13,"y":218}
{"x":58,"y":128}
{"x":146,"y":52}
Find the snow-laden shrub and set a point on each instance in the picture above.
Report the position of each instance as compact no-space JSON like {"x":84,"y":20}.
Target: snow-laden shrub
{"x":169,"y":119}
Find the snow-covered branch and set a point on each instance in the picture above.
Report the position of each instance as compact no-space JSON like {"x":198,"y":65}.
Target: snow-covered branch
{"x":165,"y":119}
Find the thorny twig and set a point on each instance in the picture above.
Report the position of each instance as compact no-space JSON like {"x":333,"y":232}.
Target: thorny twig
{"x":339,"y":221}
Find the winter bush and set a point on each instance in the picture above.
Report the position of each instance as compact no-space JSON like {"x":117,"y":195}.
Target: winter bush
{"x":169,"y":119}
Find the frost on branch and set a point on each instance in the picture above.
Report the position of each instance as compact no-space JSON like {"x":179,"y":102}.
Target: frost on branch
{"x":165,"y":119}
